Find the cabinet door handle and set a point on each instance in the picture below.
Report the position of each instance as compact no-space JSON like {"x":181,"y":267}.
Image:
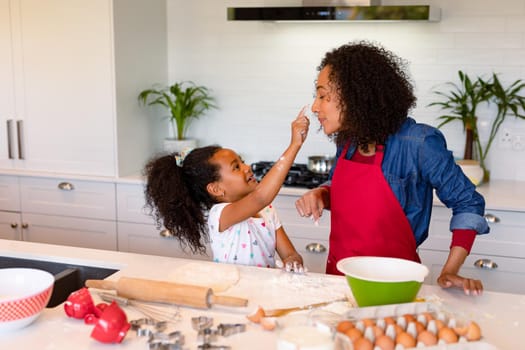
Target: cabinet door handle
{"x":491,"y":218}
{"x":316,"y":248}
{"x":14,"y":225}
{"x":25,"y":225}
{"x":10,"y":150}
{"x":485,"y":264}
{"x":166,"y":233}
{"x":20,"y":131}
{"x":66,"y":186}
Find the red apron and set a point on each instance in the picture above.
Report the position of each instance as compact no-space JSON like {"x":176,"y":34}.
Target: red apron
{"x":366,"y":217}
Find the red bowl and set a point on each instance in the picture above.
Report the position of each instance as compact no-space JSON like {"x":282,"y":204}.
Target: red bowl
{"x":24,"y":293}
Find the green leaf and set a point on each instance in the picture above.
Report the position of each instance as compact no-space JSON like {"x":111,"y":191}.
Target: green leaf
{"x":185,"y":101}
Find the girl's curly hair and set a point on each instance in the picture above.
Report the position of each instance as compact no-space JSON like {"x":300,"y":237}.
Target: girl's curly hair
{"x":177,"y":198}
{"x":375,"y":93}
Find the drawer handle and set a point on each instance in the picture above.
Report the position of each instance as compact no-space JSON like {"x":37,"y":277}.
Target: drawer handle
{"x":491,"y":218}
{"x":25,"y":225}
{"x":317,"y":248}
{"x":66,"y":186}
{"x":485,"y":264}
{"x":14,"y":225}
{"x":166,"y":233}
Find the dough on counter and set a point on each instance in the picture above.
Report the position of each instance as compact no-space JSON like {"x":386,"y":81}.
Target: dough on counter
{"x":218,"y":277}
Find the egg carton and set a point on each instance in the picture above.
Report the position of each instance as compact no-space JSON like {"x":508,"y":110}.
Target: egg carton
{"x":424,"y":312}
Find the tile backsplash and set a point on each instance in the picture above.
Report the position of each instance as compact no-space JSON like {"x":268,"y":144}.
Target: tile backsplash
{"x":263,"y":73}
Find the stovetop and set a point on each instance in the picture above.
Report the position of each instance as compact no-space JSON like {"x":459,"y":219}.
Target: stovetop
{"x":298,"y":176}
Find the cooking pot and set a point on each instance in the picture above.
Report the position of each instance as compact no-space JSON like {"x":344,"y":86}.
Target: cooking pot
{"x":320,"y":164}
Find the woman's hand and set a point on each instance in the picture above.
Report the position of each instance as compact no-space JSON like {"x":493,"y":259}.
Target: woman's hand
{"x":449,"y":274}
{"x":312,"y":203}
{"x":469,"y":285}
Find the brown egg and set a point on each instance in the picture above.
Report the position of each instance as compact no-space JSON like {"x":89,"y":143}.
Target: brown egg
{"x":428,"y":316}
{"x":420,"y":327}
{"x":427,"y":338}
{"x":363,"y":344}
{"x":354,"y":334}
{"x":406,"y":340}
{"x":344,"y":325}
{"x":256,"y":315}
{"x":439,"y":324}
{"x":378,"y":331}
{"x":398,"y":329}
{"x":471,"y":331}
{"x":447,"y":335}
{"x":389,"y":320}
{"x":409,"y":318}
{"x":368,"y":322}
{"x":384,"y":342}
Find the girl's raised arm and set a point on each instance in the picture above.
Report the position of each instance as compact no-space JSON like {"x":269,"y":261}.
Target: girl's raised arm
{"x":268,"y":188}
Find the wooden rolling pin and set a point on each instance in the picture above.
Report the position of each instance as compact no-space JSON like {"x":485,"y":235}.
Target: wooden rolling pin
{"x":168,"y":292}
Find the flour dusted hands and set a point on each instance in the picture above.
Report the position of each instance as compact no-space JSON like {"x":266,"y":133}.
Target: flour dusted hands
{"x":291,"y":266}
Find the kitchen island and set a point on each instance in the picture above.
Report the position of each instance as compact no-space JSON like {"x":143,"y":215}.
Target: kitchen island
{"x":501,"y":316}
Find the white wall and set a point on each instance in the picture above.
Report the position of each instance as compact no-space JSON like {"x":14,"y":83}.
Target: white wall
{"x":263,"y":73}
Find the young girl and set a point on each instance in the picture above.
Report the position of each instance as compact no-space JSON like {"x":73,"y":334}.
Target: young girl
{"x":214,"y":197}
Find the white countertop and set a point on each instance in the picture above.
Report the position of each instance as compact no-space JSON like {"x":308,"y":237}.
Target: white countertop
{"x":501,"y":316}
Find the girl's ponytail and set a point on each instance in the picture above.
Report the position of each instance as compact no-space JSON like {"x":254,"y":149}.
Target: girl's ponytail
{"x":176,"y":196}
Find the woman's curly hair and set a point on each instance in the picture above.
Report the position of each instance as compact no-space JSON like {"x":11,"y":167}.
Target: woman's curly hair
{"x":177,"y":198}
{"x":375,"y":93}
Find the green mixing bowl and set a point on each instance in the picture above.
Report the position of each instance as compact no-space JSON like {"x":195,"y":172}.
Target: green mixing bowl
{"x":381,"y":281}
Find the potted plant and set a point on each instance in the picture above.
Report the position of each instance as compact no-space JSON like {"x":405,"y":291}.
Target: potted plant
{"x":185,"y":101}
{"x":463,"y":100}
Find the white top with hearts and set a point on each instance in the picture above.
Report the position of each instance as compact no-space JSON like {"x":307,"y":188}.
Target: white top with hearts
{"x":250,"y":242}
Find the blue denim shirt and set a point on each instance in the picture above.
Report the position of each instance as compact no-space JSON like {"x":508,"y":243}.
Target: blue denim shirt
{"x":416,"y":161}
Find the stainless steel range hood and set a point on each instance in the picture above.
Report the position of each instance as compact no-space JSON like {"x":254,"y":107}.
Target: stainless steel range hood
{"x":334,"y":10}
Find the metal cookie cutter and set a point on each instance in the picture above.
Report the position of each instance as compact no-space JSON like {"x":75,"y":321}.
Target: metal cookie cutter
{"x":145,"y":327}
{"x":208,"y":336}
{"x":201,"y":322}
{"x":214,"y":347}
{"x":228,"y":329}
{"x":166,"y":341}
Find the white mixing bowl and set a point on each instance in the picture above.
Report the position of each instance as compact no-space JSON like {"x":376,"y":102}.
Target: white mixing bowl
{"x":23,"y":295}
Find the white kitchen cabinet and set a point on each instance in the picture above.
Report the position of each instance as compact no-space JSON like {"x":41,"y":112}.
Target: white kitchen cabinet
{"x":65,"y":211}
{"x":508,"y":277}
{"x":10,"y":216}
{"x":70,"y":231}
{"x":147,"y":239}
{"x":7,"y":109}
{"x":310,"y":240}
{"x":137,"y":231}
{"x":10,"y":225}
{"x":70,"y":73}
{"x":497,"y":258}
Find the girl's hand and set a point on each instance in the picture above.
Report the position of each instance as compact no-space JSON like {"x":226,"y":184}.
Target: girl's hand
{"x":292,"y":264}
{"x":469,"y":286}
{"x":300,"y":128}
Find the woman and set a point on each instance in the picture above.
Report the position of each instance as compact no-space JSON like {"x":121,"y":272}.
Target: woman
{"x":381,"y":186}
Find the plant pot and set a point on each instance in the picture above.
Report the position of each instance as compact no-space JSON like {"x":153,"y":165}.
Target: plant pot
{"x":472,"y":170}
{"x":178,"y":146}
